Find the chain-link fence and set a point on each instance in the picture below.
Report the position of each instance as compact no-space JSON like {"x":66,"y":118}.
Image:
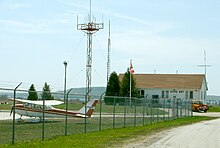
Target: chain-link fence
{"x":120,"y":112}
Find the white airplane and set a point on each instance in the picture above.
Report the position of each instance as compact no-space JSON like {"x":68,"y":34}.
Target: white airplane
{"x":35,"y":109}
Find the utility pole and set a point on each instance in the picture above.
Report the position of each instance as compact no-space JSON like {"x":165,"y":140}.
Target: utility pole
{"x":89,"y":28}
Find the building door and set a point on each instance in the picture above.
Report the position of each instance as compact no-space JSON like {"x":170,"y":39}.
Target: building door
{"x":155,"y":99}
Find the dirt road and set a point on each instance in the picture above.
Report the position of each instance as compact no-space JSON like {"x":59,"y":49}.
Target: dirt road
{"x":205,"y":134}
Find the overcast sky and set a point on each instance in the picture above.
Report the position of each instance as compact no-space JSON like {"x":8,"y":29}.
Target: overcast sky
{"x":162,"y":36}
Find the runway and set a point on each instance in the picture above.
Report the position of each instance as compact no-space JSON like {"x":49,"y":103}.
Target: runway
{"x":5,"y":115}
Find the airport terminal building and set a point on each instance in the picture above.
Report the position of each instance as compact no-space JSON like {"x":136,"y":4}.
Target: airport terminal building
{"x":180,"y":86}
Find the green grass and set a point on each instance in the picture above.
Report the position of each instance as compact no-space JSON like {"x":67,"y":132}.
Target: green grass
{"x":5,"y":106}
{"x":26,"y":131}
{"x":71,"y":106}
{"x":108,"y":138}
{"x":110,"y":109}
{"x":214,"y":109}
{"x":105,"y":108}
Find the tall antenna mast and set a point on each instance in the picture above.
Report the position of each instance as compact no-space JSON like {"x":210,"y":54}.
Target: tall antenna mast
{"x":90,"y":11}
{"x":109,"y":52}
{"x":89,"y":28}
{"x":204,"y":65}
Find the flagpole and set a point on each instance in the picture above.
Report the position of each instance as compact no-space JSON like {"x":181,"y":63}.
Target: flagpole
{"x":130,"y":88}
{"x":130,"y":80}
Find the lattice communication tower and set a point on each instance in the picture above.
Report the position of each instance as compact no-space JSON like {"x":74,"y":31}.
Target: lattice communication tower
{"x":89,"y":28}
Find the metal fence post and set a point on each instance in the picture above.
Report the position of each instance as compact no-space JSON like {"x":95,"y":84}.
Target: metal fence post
{"x":85,"y":120}
{"x":163,"y":109}
{"x":146,"y":105}
{"x":100,"y":112}
{"x":151,"y":107}
{"x":43,"y":118}
{"x":135,"y":112}
{"x":67,"y":110}
{"x":143,"y":104}
{"x":190,"y":111}
{"x":173,"y":115}
{"x":158,"y":109}
{"x":13,"y":125}
{"x":181,"y":108}
{"x":187,"y":107}
{"x":125,"y":110}
{"x":191,"y":108}
{"x":177,"y":108}
{"x":169,"y":109}
{"x":114,"y":115}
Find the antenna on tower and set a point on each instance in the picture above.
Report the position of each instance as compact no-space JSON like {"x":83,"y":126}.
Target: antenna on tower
{"x":90,"y":11}
{"x":204,"y":65}
{"x":109,"y":52}
{"x":89,"y":28}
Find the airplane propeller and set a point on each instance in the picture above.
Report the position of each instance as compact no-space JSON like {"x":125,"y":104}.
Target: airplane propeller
{"x":12,"y":108}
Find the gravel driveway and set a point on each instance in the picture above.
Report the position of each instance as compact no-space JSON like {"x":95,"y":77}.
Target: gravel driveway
{"x":205,"y":134}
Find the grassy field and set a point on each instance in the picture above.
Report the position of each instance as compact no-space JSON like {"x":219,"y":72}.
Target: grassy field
{"x":26,"y":131}
{"x":5,"y":106}
{"x":105,"y":108}
{"x":108,"y":138}
{"x":214,"y":109}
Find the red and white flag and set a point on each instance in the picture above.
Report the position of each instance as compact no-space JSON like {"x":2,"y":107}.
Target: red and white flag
{"x":131,"y":67}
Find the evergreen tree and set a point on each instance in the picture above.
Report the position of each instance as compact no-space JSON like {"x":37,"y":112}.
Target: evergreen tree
{"x":46,"y":94}
{"x":113,"y":88}
{"x":32,"y":94}
{"x":125,"y":85}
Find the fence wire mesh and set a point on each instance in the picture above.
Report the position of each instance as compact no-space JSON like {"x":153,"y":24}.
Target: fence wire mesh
{"x":121,"y":112}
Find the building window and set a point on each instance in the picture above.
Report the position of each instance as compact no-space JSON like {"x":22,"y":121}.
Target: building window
{"x":173,"y":91}
{"x":191,"y":94}
{"x":181,"y":91}
{"x":142,"y":93}
{"x":167,"y":94}
{"x":186,"y":95}
{"x":162,"y":94}
{"x":155,"y":99}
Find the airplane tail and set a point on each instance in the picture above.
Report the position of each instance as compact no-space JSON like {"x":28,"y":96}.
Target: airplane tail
{"x":88,"y":108}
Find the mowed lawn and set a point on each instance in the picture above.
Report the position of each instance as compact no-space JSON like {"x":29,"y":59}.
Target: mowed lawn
{"x":214,"y":109}
{"x":106,"y":138}
{"x":110,"y":137}
{"x":26,"y":131}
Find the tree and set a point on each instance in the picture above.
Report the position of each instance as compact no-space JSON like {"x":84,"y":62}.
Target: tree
{"x":113,"y":88}
{"x":125,"y":85}
{"x":32,"y":94}
{"x":46,"y":94}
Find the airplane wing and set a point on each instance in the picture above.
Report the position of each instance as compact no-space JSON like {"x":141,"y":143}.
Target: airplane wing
{"x":52,"y":102}
{"x":40,"y":102}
